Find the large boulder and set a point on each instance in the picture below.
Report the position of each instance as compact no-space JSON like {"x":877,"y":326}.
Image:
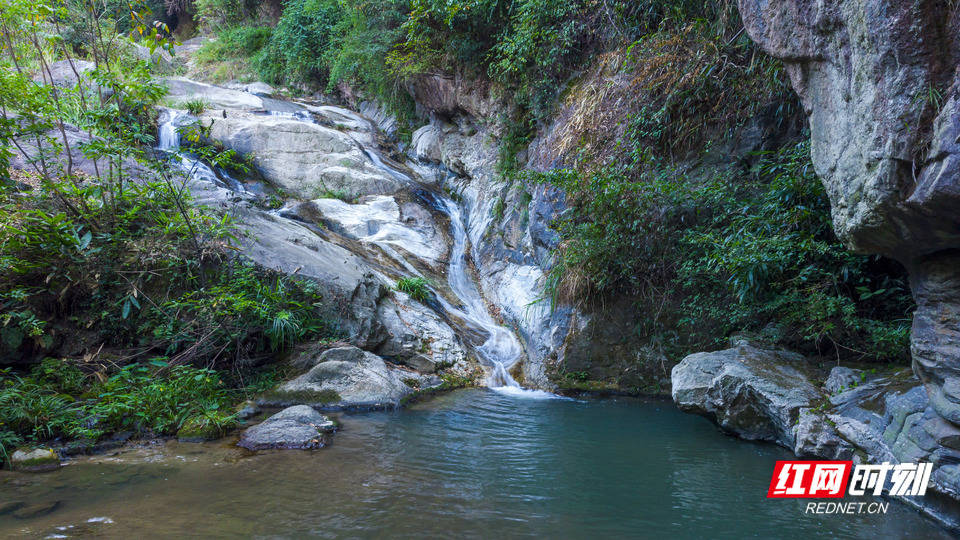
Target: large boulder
{"x":294,"y":428}
{"x":29,"y":149}
{"x":303,"y":159}
{"x":64,"y":73}
{"x":344,"y":378}
{"x":180,"y":90}
{"x":416,"y":336}
{"x":880,"y":81}
{"x":753,"y":392}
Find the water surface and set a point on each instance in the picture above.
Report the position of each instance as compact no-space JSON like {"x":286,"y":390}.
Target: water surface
{"x":473,"y":463}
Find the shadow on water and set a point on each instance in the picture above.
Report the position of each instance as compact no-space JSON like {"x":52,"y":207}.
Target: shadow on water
{"x":473,"y":463}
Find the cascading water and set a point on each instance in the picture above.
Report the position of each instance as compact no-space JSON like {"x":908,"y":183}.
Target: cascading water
{"x":168,"y":140}
{"x":501,"y":350}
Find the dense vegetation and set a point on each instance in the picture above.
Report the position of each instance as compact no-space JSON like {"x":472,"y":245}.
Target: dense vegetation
{"x":129,"y":296}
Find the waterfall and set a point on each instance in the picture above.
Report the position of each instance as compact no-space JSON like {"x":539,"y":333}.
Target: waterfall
{"x":500,"y":350}
{"x":168,"y":138}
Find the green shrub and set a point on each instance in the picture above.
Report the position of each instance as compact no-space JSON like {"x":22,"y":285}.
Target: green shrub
{"x":417,"y":287}
{"x":152,"y":398}
{"x":195,"y":106}
{"x":236,"y":42}
{"x":295,"y":52}
{"x":158,"y":398}
{"x":736,"y":251}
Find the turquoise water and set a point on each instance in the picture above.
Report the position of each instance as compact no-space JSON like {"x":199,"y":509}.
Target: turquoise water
{"x":471,"y":464}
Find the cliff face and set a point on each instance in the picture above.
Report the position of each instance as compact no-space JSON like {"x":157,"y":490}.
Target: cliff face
{"x":880,"y":83}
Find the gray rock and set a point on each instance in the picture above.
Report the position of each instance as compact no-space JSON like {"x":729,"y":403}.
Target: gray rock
{"x":378,"y":220}
{"x":752,"y":392}
{"x":63,"y":73}
{"x":247,"y":410}
{"x":304,"y":160}
{"x":888,"y":154}
{"x":842,"y":378}
{"x":425,"y":143}
{"x":160,"y":59}
{"x":817,"y":438}
{"x":416,"y":336}
{"x":345,"y":378}
{"x":292,"y":248}
{"x":36,"y":460}
{"x":294,"y":428}
{"x":58,"y":163}
{"x":261,"y":89}
{"x":381,"y":117}
{"x":180,"y":89}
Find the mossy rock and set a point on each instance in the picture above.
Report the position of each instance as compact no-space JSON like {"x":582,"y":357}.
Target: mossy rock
{"x":199,"y":429}
{"x":34,"y":460}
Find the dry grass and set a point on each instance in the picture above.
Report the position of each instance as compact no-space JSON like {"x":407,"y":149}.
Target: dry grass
{"x":699,"y":83}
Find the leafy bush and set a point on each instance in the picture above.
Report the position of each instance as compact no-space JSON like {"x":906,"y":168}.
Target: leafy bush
{"x":195,"y":106}
{"x":236,"y":42}
{"x":152,"y":398}
{"x":737,"y":251}
{"x":157,"y":398}
{"x":417,"y":287}
{"x":295,"y":52}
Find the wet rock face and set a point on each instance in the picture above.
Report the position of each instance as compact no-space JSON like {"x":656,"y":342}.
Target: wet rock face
{"x":880,"y":83}
{"x":418,"y":338}
{"x":935,"y":339}
{"x":752,"y":392}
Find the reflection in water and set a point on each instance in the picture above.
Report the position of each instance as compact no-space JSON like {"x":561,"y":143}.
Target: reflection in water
{"x":474,"y":463}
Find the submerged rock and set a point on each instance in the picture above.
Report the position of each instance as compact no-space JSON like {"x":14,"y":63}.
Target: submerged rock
{"x":344,"y":378}
{"x":755,"y":393}
{"x":294,"y":428}
{"x":35,"y":460}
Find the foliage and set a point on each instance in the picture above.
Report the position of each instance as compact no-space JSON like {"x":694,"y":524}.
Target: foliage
{"x":195,"y":106}
{"x":417,"y":287}
{"x":115,"y":265}
{"x":735,"y":251}
{"x":296,"y":49}
{"x":245,"y":311}
{"x":144,"y":398}
{"x":151,"y":398}
{"x":235,"y":51}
